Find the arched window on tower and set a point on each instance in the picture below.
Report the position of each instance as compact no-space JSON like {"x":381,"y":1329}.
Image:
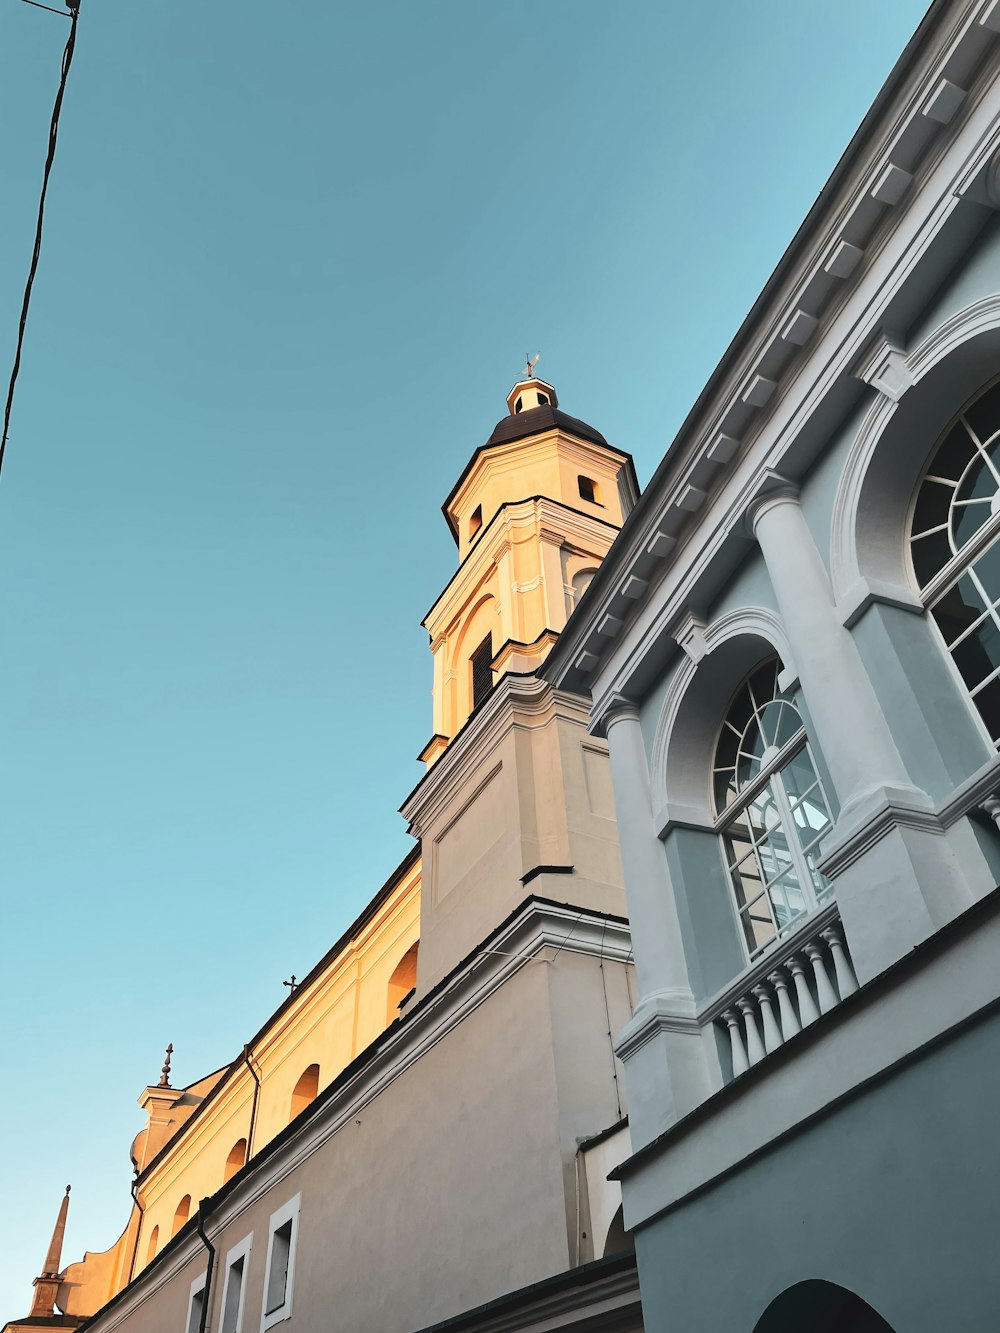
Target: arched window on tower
{"x":475,"y":522}
{"x":402,"y":981}
{"x":481,"y":667}
{"x":154,"y":1240}
{"x":236,"y":1159}
{"x":581,"y":582}
{"x":588,"y":489}
{"x":955,"y":548}
{"x":767,"y":788}
{"x":182,"y":1214}
{"x":304,"y":1091}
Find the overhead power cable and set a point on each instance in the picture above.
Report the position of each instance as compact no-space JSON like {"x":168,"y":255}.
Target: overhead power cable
{"x":67,"y":60}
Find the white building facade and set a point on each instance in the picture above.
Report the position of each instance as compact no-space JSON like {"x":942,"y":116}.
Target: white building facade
{"x":793,"y":650}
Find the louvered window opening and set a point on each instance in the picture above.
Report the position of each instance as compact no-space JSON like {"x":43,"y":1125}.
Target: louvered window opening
{"x":482,"y":671}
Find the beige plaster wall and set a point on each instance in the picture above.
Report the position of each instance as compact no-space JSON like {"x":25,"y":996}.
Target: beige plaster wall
{"x":450,"y":1188}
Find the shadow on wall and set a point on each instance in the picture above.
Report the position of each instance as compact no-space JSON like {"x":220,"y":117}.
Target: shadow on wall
{"x":820,"y":1307}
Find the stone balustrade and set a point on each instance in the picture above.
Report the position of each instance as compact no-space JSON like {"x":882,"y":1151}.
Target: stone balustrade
{"x":785,"y":991}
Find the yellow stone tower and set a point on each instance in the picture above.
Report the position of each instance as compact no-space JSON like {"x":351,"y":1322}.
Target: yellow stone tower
{"x":533,"y":515}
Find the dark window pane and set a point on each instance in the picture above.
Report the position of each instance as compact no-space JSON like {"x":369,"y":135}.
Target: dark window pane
{"x":960,"y":607}
{"x":966,"y":520}
{"x":984,"y":414}
{"x":929,"y":555}
{"x":978,"y":481}
{"x":978,"y":655}
{"x":763,"y":682}
{"x":987,"y":569}
{"x":932,"y":506}
{"x":482,"y":671}
{"x":988,"y":703}
{"x":953,"y":454}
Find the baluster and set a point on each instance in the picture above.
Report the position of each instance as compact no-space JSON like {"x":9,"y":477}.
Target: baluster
{"x":808,"y":1013}
{"x":789,"y":1023}
{"x":825,"y":993}
{"x":847,"y":982}
{"x":740,"y":1062}
{"x":772,"y":1034}
{"x":755,"y":1049}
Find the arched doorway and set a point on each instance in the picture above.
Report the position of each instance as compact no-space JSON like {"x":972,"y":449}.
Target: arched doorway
{"x":820,"y":1307}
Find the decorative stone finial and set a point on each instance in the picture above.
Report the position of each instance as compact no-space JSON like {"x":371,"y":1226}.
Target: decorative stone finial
{"x":47,"y":1283}
{"x":165,"y":1071}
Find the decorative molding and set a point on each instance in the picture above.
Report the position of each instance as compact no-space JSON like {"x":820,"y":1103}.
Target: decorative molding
{"x":884,"y":367}
{"x":843,"y":260}
{"x":756,"y":621}
{"x":894,"y":373}
{"x":893,"y":245}
{"x":689,"y":634}
{"x":857,"y":831}
{"x":666,"y":1011}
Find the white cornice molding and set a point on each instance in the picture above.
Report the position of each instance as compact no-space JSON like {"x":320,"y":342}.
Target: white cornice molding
{"x":846,"y":317}
{"x":516,"y":701}
{"x":547,"y":519}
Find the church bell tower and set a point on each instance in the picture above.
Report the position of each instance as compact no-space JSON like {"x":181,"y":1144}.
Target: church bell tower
{"x":517,"y":800}
{"x":533,"y":514}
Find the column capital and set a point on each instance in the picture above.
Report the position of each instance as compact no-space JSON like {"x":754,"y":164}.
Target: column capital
{"x":616,"y":708}
{"x":774,"y":490}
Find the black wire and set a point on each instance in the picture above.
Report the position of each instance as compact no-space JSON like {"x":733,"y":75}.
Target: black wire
{"x":67,"y":60}
{"x":61,"y":14}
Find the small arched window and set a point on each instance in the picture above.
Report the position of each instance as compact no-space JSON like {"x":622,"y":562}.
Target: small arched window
{"x":154,"y":1240}
{"x":402,"y":981}
{"x":518,"y":405}
{"x":237,"y":1158}
{"x":954,"y":536}
{"x":588,"y":489}
{"x":481,"y":670}
{"x":476,"y":521}
{"x":773,"y":811}
{"x":304,"y":1091}
{"x":581,"y":582}
{"x":182,"y":1214}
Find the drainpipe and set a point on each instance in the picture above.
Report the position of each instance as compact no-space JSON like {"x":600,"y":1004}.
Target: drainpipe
{"x":207,"y":1297}
{"x":256,"y":1095}
{"x":138,"y":1230}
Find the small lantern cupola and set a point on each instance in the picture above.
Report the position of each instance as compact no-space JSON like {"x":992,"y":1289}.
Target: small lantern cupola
{"x":529,"y":393}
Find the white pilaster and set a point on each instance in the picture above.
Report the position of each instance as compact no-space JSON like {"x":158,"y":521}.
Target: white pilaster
{"x":667,"y":1067}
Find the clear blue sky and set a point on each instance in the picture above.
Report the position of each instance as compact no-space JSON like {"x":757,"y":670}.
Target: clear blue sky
{"x":295,"y":255}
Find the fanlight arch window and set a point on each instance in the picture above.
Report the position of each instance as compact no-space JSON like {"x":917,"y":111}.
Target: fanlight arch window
{"x":772,"y":808}
{"x":955,"y":548}
{"x":154,"y":1241}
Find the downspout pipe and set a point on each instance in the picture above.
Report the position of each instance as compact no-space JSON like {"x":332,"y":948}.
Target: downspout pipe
{"x":256,"y":1096}
{"x":138,"y":1231}
{"x":206,"y":1303}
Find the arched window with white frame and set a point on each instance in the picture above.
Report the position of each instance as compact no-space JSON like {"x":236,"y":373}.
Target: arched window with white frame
{"x":772,"y":810}
{"x":955,"y":548}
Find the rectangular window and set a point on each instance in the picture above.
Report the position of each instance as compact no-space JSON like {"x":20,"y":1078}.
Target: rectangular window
{"x":234,"y":1289}
{"x":196,"y":1305}
{"x":482,"y":671}
{"x":280,"y":1273}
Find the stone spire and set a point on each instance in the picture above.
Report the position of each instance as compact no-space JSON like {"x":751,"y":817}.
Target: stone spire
{"x":47,"y":1283}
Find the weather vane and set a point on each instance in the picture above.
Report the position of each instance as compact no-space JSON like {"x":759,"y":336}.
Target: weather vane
{"x":529,"y":365}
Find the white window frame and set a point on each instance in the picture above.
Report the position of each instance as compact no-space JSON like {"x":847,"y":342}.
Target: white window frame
{"x":288,"y":1213}
{"x":240,"y":1251}
{"x":198,"y":1285}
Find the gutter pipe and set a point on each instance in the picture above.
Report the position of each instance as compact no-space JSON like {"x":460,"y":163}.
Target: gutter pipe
{"x":206,"y":1302}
